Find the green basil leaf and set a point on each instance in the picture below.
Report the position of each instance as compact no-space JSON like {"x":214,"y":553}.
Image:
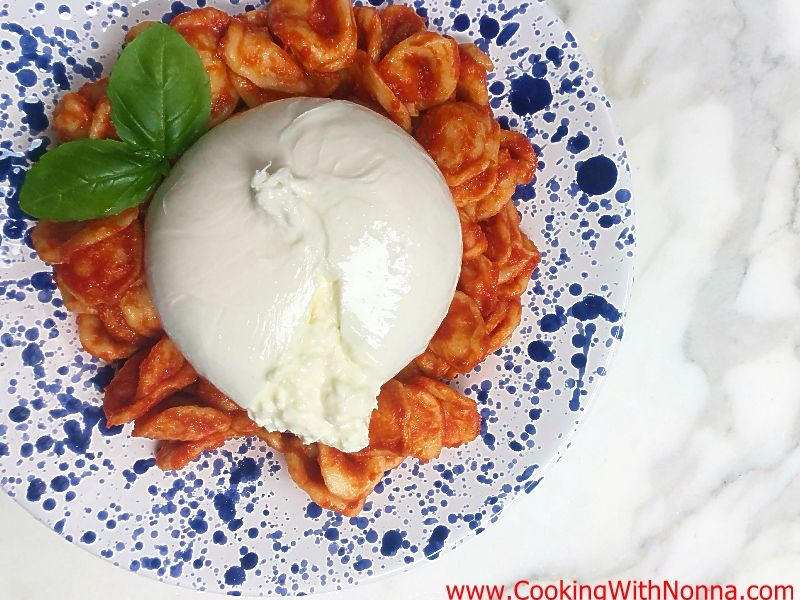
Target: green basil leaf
{"x":89,"y":179}
{"x":160,"y":93}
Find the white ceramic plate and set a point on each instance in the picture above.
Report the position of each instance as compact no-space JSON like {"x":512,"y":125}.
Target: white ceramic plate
{"x":234,"y":521}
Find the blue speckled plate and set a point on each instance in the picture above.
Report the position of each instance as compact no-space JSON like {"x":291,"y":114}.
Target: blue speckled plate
{"x":234,"y":521}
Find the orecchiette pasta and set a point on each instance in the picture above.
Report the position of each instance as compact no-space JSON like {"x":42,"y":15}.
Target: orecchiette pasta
{"x":253,"y":95}
{"x":472,"y":78}
{"x":101,"y":127}
{"x":139,"y":311}
{"x":57,"y":242}
{"x":203,"y":28}
{"x":422,"y":70}
{"x":99,"y":342}
{"x":94,"y":91}
{"x":321,"y":33}
{"x":399,"y":22}
{"x":462,"y":340}
{"x":73,"y":118}
{"x":505,"y":184}
{"x":370,"y":31}
{"x":370,"y":86}
{"x":476,"y":188}
{"x":113,"y":320}
{"x":103,"y":271}
{"x":252,"y":53}
{"x":473,"y":238}
{"x":462,"y":138}
{"x":479,"y":281}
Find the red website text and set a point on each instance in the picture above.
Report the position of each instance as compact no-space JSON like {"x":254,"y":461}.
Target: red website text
{"x":620,"y":590}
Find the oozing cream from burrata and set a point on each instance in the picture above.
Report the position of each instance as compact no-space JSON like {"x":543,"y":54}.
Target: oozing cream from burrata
{"x":300,"y":255}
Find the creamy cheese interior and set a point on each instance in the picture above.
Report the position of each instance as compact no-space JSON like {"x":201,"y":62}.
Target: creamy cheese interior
{"x":300,"y":255}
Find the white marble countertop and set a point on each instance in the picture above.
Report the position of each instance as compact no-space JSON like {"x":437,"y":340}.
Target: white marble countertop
{"x":689,"y":464}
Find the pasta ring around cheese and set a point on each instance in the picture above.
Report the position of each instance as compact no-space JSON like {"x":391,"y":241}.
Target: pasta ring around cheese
{"x":325,"y":48}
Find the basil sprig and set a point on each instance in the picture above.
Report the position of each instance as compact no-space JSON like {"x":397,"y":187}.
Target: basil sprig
{"x":89,"y":179}
{"x":160,"y":105}
{"x":160,"y":93}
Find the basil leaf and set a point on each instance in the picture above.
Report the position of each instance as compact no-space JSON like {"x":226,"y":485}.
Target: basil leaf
{"x":160,"y":93}
{"x":89,"y":179}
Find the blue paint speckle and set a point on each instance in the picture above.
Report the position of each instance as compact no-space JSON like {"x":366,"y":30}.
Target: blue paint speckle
{"x":526,"y":474}
{"x":507,"y":33}
{"x":543,"y":381}
{"x":141,"y":466}
{"x":234,"y":576}
{"x":530,"y":95}
{"x":32,"y":355}
{"x":555,"y":55}
{"x":461,"y":23}
{"x":59,"y":483}
{"x":43,"y":281}
{"x":554,"y":321}
{"x":597,"y":175}
{"x":578,"y":361}
{"x":198,"y":524}
{"x":88,"y":537}
{"x":540,"y":351}
{"x":151,"y":564}
{"x":245,"y":470}
{"x":26,"y":77}
{"x":313,"y":510}
{"x":36,"y":489}
{"x":607,"y":221}
{"x":580,"y":364}
{"x":18,"y":414}
{"x":578,"y":143}
{"x":225,"y":505}
{"x":436,"y":542}
{"x":35,"y":117}
{"x":60,"y":76}
{"x":391,"y":542}
{"x":249,"y":561}
{"x":561,"y":132}
{"x":78,"y":439}
{"x":44,"y":443}
{"x":488,"y":27}
{"x":362,"y":564}
{"x":592,"y":307}
{"x":622,"y":195}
